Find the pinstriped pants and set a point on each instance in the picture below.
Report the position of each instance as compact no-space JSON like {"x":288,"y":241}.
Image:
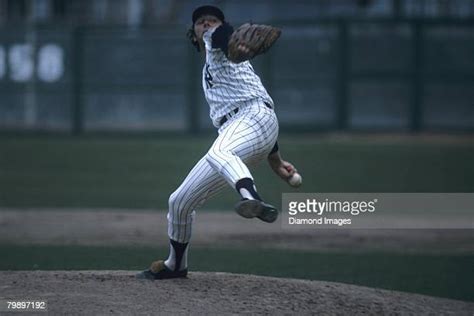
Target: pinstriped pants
{"x":244,"y":140}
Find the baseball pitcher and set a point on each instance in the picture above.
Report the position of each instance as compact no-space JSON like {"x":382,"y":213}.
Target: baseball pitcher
{"x":243,"y":113}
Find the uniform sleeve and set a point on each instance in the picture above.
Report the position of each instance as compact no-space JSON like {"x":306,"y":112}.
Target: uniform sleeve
{"x":207,"y":38}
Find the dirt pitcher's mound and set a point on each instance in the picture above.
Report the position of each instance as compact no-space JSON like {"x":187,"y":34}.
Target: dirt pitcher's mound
{"x":118,"y":292}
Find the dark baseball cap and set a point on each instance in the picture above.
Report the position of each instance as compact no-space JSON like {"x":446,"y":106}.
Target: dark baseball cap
{"x":208,"y":10}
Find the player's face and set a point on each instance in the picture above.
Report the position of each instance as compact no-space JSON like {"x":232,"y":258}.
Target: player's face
{"x":204,"y":23}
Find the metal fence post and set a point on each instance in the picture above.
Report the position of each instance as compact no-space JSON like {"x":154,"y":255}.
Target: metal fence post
{"x":77,"y":127}
{"x":268,"y":74}
{"x":417,"y":77}
{"x":342,"y":82}
{"x":192,"y":93}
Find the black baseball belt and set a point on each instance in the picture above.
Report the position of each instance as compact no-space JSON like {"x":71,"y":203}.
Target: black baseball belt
{"x":235,"y":111}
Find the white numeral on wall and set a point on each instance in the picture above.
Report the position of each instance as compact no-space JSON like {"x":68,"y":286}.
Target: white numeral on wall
{"x":22,"y":64}
{"x":50,"y":63}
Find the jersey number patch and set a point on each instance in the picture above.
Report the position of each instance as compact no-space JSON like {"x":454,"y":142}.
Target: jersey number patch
{"x":208,"y":78}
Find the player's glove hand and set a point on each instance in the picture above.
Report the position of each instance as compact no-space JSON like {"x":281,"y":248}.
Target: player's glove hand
{"x":250,"y":40}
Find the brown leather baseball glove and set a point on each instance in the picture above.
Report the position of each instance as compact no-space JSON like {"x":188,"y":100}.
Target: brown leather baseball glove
{"x":250,"y":40}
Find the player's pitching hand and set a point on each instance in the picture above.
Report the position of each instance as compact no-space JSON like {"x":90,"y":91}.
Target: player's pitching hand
{"x":282,"y":168}
{"x":286,"y":170}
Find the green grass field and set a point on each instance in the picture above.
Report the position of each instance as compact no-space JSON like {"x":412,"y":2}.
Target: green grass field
{"x":437,"y":275}
{"x":136,"y":172}
{"x":132,"y":172}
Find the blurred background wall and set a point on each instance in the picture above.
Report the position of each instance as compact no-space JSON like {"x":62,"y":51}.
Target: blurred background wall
{"x":71,"y":66}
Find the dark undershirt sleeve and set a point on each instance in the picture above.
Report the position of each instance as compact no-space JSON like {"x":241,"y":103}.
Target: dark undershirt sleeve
{"x":274,"y":149}
{"x":221,"y":36}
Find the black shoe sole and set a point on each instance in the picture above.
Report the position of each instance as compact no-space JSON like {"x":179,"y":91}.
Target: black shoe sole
{"x":255,"y":208}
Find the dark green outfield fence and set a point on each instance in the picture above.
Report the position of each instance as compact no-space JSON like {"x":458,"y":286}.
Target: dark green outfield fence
{"x":397,"y":75}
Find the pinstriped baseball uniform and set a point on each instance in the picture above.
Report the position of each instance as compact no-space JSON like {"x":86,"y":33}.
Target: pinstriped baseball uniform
{"x":246,"y":137}
{"x":227,"y":84}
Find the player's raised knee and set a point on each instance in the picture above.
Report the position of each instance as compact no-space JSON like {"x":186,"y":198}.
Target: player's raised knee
{"x":219,"y":158}
{"x":212,"y":158}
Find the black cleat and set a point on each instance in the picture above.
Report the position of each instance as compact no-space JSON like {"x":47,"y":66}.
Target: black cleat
{"x":159,"y":271}
{"x":255,"y":208}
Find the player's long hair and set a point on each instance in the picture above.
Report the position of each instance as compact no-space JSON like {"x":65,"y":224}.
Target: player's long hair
{"x":192,"y":37}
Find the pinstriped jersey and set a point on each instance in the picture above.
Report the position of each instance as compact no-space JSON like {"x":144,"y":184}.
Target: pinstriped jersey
{"x":228,"y":85}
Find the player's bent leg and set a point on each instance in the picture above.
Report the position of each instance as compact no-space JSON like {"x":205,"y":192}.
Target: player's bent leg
{"x":201,"y":183}
{"x":251,"y":204}
{"x":246,"y":140}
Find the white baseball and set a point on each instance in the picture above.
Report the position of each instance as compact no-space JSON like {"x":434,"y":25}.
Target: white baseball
{"x":295,"y":180}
